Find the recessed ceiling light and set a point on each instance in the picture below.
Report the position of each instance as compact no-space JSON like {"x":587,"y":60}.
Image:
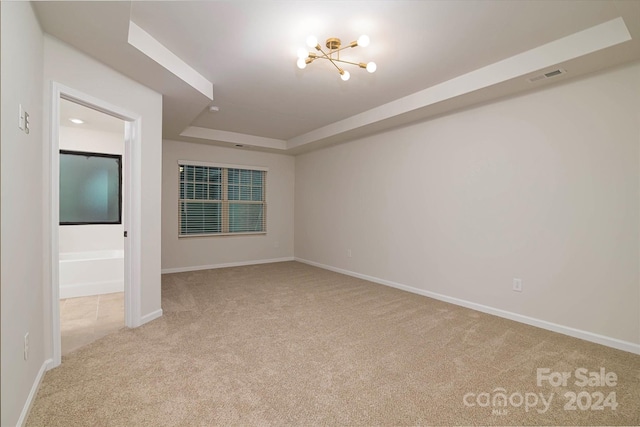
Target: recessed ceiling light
{"x":76,"y":121}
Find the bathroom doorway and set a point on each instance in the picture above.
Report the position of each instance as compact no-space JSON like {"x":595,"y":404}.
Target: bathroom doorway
{"x":91,"y":230}
{"x":131,"y":216}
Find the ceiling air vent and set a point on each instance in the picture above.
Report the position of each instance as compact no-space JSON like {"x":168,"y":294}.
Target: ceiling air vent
{"x":547,"y":75}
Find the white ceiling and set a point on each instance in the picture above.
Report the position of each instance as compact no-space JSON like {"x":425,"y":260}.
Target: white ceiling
{"x":432,"y":56}
{"x":93,"y":120}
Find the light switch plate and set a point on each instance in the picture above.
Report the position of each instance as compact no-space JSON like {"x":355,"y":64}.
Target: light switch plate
{"x":23,"y":119}
{"x":20,"y":117}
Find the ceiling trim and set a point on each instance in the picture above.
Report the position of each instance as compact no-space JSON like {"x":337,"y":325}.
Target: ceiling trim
{"x":152,"y":48}
{"x":234,"y":138}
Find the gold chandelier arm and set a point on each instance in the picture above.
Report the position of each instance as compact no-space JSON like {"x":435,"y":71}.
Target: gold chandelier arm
{"x":333,"y":61}
{"x":324,"y":54}
{"x":328,"y":58}
{"x":335,"y":65}
{"x":350,"y":45}
{"x":359,"y":64}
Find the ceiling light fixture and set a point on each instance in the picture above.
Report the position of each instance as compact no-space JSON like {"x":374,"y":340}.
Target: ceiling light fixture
{"x":333,"y":55}
{"x":76,"y":121}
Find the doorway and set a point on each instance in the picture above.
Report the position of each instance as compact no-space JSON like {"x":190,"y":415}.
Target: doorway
{"x":62,"y":248}
{"x":91,"y":233}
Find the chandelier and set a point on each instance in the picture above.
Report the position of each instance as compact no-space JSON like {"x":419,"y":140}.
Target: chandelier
{"x":334,"y":47}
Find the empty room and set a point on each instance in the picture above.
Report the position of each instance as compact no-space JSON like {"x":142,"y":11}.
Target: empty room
{"x":389,"y":213}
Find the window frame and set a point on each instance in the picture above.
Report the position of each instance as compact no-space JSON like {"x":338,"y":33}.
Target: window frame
{"x":118,"y":159}
{"x":224,"y":200}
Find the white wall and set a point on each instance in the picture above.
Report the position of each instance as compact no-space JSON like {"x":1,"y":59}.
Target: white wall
{"x":189,"y":253}
{"x":22,"y":235}
{"x":91,"y":140}
{"x":69,"y":67}
{"x":542,"y":187}
{"x":82,"y":238}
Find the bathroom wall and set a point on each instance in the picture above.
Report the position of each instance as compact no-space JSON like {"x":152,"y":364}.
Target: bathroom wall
{"x":82,"y":238}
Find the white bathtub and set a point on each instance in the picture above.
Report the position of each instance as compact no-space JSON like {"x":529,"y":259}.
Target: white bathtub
{"x":91,"y":273}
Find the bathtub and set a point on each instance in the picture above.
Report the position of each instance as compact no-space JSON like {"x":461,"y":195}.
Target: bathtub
{"x":91,"y":273}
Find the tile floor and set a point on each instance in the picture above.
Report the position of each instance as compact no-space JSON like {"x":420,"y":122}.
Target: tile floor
{"x":85,"y":319}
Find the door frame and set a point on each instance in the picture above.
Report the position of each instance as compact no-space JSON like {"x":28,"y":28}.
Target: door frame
{"x":132,"y":197}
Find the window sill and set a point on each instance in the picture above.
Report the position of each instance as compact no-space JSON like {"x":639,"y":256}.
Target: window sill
{"x":252,"y":233}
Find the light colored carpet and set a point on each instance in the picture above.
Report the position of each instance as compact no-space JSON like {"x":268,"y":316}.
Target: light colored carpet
{"x":289,"y":344}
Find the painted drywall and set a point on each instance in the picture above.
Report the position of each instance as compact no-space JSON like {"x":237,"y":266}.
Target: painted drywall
{"x":22,"y":204}
{"x":189,"y":253}
{"x":543,"y":187}
{"x":83,"y":238}
{"x":67,"y":66}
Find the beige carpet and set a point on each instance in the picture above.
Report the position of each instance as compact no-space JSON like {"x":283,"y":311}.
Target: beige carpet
{"x":290,"y":344}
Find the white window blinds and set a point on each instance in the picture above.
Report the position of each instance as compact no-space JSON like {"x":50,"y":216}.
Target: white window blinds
{"x":219,"y":200}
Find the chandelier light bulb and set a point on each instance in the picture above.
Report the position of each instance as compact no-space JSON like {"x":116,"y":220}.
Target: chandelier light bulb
{"x":301,"y":63}
{"x":372,"y":67}
{"x":345,"y":76}
{"x":303,"y":53}
{"x":363,"y":40}
{"x":312,"y":41}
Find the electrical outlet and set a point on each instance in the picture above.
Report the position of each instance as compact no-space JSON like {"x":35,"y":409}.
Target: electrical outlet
{"x":349,"y":254}
{"x":26,"y":346}
{"x":517,"y":285}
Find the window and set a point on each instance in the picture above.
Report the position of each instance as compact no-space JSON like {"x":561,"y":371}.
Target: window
{"x":221,"y":199}
{"x":90,"y":188}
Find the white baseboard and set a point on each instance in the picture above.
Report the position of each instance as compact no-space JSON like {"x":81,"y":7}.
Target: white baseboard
{"x":225,"y":265}
{"x":543,"y":324}
{"x":150,"y":316}
{"x":93,"y":288}
{"x":46,"y":365}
